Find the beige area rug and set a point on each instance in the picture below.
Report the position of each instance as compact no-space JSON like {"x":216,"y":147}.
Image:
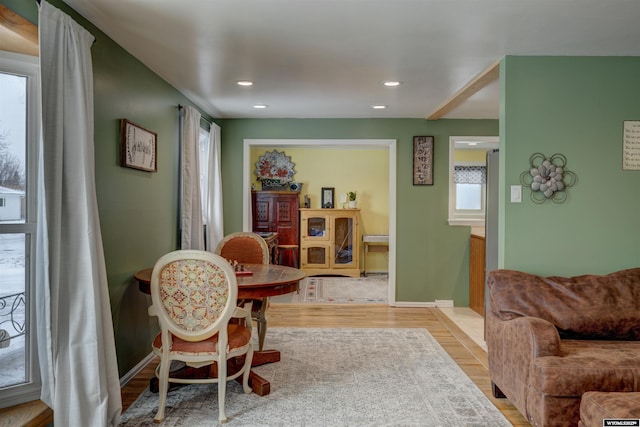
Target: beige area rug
{"x":343,"y":290}
{"x":364,"y":377}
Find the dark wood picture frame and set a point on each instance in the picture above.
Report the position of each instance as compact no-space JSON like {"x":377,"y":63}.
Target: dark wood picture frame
{"x":138,"y":147}
{"x":327,"y":197}
{"x":423,"y":160}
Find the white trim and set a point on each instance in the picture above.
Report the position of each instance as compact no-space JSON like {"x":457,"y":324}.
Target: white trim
{"x":124,"y":380}
{"x":444,"y":303}
{"x":28,"y":66}
{"x":390,"y":144}
{"x":460,"y":217}
{"x":413,"y":304}
{"x":466,"y":221}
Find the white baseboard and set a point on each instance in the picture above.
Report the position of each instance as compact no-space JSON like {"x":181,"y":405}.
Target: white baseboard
{"x":136,"y":369}
{"x":444,"y":303}
{"x":437,"y":303}
{"x":410,"y":304}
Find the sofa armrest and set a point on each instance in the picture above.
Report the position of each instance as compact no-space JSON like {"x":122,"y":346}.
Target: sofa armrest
{"x":512,"y":347}
{"x":537,"y":336}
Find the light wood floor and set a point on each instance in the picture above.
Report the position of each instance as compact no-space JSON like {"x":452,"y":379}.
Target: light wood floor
{"x":467,"y":354}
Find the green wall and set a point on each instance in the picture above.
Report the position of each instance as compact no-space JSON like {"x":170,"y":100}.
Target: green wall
{"x":138,"y":209}
{"x":138,"y":212}
{"x":575,"y":106}
{"x":432,"y":257}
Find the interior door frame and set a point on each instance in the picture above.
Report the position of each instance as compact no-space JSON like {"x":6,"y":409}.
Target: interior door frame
{"x":389,"y":144}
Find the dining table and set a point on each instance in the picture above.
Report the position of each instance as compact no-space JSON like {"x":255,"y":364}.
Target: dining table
{"x":255,"y":281}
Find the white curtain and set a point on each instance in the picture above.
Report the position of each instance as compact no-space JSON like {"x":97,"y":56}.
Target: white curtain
{"x":192,"y":236}
{"x":213,"y":197}
{"x":75,"y":331}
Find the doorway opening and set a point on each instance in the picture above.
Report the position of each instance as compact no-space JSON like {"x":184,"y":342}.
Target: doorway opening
{"x":331,"y":144}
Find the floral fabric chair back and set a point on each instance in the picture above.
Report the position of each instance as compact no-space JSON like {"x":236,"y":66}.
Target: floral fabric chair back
{"x":195,"y":294}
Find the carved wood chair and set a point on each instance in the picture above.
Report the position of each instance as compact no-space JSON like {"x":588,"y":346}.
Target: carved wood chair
{"x":194,"y":295}
{"x":249,"y":248}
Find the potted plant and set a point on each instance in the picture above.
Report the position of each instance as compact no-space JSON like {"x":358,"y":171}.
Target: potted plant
{"x":352,"y":196}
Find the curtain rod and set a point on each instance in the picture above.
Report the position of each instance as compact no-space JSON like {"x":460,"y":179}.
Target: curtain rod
{"x":180,"y":107}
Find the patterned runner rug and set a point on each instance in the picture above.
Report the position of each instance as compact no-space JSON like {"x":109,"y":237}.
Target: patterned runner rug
{"x":343,"y":290}
{"x":338,"y":377}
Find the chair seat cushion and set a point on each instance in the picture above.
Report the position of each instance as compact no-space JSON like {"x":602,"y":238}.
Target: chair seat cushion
{"x":588,"y":365}
{"x":596,"y":406}
{"x":239,"y":336}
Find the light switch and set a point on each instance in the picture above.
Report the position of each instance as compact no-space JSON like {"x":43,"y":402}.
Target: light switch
{"x":516,"y":194}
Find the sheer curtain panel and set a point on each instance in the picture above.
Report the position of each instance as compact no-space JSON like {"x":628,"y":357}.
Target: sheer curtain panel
{"x":192,"y":236}
{"x":75,"y":330}
{"x":213,"y":197}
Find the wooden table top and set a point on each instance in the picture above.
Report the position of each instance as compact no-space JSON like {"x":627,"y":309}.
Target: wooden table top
{"x":267,"y":280}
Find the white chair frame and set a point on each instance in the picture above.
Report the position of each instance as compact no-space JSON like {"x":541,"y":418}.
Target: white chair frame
{"x":169,"y":328}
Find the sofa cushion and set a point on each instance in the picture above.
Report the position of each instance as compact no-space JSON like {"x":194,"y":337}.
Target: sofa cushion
{"x":588,"y":306}
{"x":596,"y":406}
{"x":587,"y":365}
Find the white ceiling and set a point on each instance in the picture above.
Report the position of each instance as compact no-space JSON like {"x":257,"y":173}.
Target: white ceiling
{"x":329,"y":58}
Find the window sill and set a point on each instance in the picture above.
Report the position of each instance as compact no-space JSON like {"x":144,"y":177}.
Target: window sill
{"x":30,"y":414}
{"x":466,"y":221}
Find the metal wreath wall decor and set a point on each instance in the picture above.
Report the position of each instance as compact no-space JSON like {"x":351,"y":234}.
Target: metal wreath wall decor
{"x":548,"y":178}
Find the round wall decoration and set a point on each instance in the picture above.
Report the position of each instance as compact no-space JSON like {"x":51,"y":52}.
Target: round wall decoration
{"x":548,"y":178}
{"x":274,"y":170}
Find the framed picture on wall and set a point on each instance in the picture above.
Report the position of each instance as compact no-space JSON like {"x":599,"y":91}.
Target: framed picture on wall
{"x":423,"y":160}
{"x":138,"y":147}
{"x":326,"y":201}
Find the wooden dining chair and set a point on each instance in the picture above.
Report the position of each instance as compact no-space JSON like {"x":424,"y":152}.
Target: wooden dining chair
{"x":194,"y":295}
{"x":249,"y":248}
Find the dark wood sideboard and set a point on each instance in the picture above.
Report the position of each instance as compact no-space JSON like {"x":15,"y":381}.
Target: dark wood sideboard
{"x":277,"y":212}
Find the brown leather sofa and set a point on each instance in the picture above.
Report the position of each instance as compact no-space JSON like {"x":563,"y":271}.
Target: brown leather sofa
{"x":551,"y":339}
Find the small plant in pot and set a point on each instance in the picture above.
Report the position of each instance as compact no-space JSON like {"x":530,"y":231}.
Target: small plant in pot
{"x":352,"y":196}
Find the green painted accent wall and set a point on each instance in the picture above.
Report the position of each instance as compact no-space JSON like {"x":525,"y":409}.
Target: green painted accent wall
{"x":432,"y":257}
{"x":574,"y":106}
{"x":138,"y":209}
{"x":138,"y":213}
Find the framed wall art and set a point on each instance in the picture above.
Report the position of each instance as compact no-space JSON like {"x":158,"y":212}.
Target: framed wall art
{"x":138,"y":147}
{"x":326,"y":201}
{"x":423,"y":160}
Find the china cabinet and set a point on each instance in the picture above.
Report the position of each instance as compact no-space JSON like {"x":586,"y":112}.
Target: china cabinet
{"x":277,"y":212}
{"x":330,"y":242}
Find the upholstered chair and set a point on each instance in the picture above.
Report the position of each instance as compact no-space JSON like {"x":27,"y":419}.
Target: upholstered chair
{"x":194,"y":295}
{"x":249,"y":248}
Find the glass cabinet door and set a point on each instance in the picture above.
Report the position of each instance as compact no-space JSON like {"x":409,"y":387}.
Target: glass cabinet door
{"x":316,"y":228}
{"x":316,"y":256}
{"x":343,"y":229}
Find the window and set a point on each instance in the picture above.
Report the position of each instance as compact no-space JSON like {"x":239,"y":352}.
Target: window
{"x":467,"y":179}
{"x":203,"y":163}
{"x":19,"y":374}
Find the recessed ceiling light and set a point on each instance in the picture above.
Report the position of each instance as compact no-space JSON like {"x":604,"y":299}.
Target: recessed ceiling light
{"x":245,"y":83}
{"x":378,"y":107}
{"x":259,"y":106}
{"x":392,"y":83}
